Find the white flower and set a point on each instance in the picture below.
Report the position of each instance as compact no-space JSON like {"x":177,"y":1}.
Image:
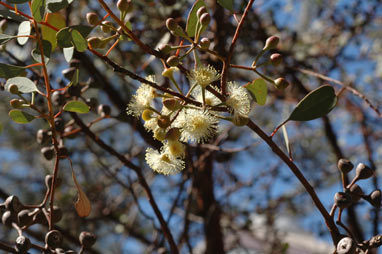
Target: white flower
{"x":163,"y":163}
{"x":238,"y":99}
{"x":142,"y":99}
{"x":174,"y":148}
{"x":196,"y":125}
{"x":211,"y":99}
{"x":204,"y":75}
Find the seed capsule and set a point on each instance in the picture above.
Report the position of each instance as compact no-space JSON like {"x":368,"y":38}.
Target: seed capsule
{"x":69,"y":73}
{"x":7,"y":218}
{"x":23,"y":244}
{"x":342,"y":200}
{"x":355,"y":192}
{"x":173,"y":61}
{"x":346,"y":246}
{"x":205,"y":43}
{"x":59,"y":124}
{"x":281,"y":83}
{"x":53,"y":239}
{"x":13,"y":204}
{"x":276,"y":59}
{"x":24,"y":218}
{"x":58,"y":99}
{"x":375,"y":198}
{"x":48,"y":152}
{"x":92,"y":18}
{"x":345,"y":165}
{"x":13,"y":89}
{"x":363,"y":171}
{"x":163,"y":121}
{"x":87,"y":239}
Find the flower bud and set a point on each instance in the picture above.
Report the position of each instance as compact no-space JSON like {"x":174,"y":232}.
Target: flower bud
{"x":165,"y":49}
{"x":87,"y":239}
{"x":346,"y":246}
{"x":53,"y":239}
{"x":205,"y":19}
{"x":205,"y":43}
{"x":345,"y":166}
{"x":271,"y":43}
{"x":173,"y":61}
{"x":281,"y":83}
{"x":95,"y":42}
{"x":23,"y":244}
{"x":168,"y":72}
{"x":13,"y":89}
{"x":173,"y":134}
{"x":24,"y":218}
{"x":163,"y":121}
{"x":342,"y":200}
{"x":355,"y":192}
{"x":201,"y":11}
{"x":16,"y":103}
{"x":13,"y":204}
{"x":159,"y":134}
{"x":7,"y":218}
{"x":276,"y":59}
{"x":147,"y":114}
{"x":124,"y":6}
{"x":106,"y":26}
{"x":3,"y":25}
{"x":92,"y":18}
{"x":69,"y":73}
{"x":48,"y":152}
{"x":375,"y":198}
{"x":58,"y":98}
{"x":172,"y":104}
{"x":171,"y":24}
{"x":363,"y":171}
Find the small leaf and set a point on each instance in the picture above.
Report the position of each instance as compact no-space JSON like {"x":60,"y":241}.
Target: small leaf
{"x":258,"y":90}
{"x":228,"y":4}
{"x":77,"y":107}
{"x":82,"y":205}
{"x":8,"y":14}
{"x":315,"y":104}
{"x":4,"y":38}
{"x":64,"y":38}
{"x":57,"y":20}
{"x":24,"y":29}
{"x":56,"y":5}
{"x":21,"y":117}
{"x":68,"y":53}
{"x":25,"y":85}
{"x":36,"y":54}
{"x":79,"y":42}
{"x":9,"y":71}
{"x":38,"y":9}
{"x":192,"y":19}
{"x":17,"y":1}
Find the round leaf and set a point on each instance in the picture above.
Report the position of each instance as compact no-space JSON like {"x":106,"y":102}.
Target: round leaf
{"x":56,"y":5}
{"x":38,"y":9}
{"x":258,"y":90}
{"x":21,"y":117}
{"x":64,"y":38}
{"x":24,"y":29}
{"x":25,"y":85}
{"x":315,"y":104}
{"x":77,"y":107}
{"x":57,"y":20}
{"x":79,"y":42}
{"x":68,"y":53}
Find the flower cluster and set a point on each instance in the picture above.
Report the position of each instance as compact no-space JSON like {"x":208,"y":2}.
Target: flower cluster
{"x":177,"y":123}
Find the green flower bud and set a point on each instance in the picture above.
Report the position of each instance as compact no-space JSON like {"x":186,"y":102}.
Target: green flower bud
{"x":240,"y":120}
{"x":95,"y":42}
{"x":159,"y":134}
{"x":201,"y":11}
{"x":205,"y":19}
{"x":172,"y":104}
{"x":92,"y":18}
{"x":276,"y":59}
{"x":124,"y":6}
{"x":165,"y":49}
{"x":204,"y":43}
{"x":173,"y":61}
{"x":271,"y":43}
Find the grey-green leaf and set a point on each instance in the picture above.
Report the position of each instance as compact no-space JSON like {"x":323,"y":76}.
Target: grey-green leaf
{"x":9,"y":71}
{"x":24,"y":30}
{"x":315,"y":104}
{"x":25,"y":85}
{"x":192,"y":18}
{"x":36,"y":54}
{"x":8,"y":14}
{"x":68,"y":53}
{"x":38,"y":9}
{"x":4,"y":38}
{"x":56,"y":5}
{"x":78,"y":41}
{"x":21,"y":117}
{"x":84,"y":30}
{"x":228,"y":4}
{"x":77,"y":107}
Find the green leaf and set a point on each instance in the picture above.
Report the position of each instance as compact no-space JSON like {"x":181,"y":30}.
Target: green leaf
{"x":17,"y":1}
{"x":9,"y":71}
{"x":4,"y":38}
{"x":258,"y":90}
{"x":38,"y":9}
{"x":77,"y":107}
{"x":25,"y":85}
{"x":315,"y":104}
{"x":192,"y":19}
{"x":8,"y":14}
{"x":79,"y":42}
{"x":36,"y":54}
{"x":228,"y":4}
{"x":75,"y":78}
{"x":56,"y":5}
{"x":24,"y":29}
{"x":68,"y":53}
{"x":57,"y":20}
{"x":64,"y":38}
{"x":19,"y":116}
{"x":84,"y":30}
